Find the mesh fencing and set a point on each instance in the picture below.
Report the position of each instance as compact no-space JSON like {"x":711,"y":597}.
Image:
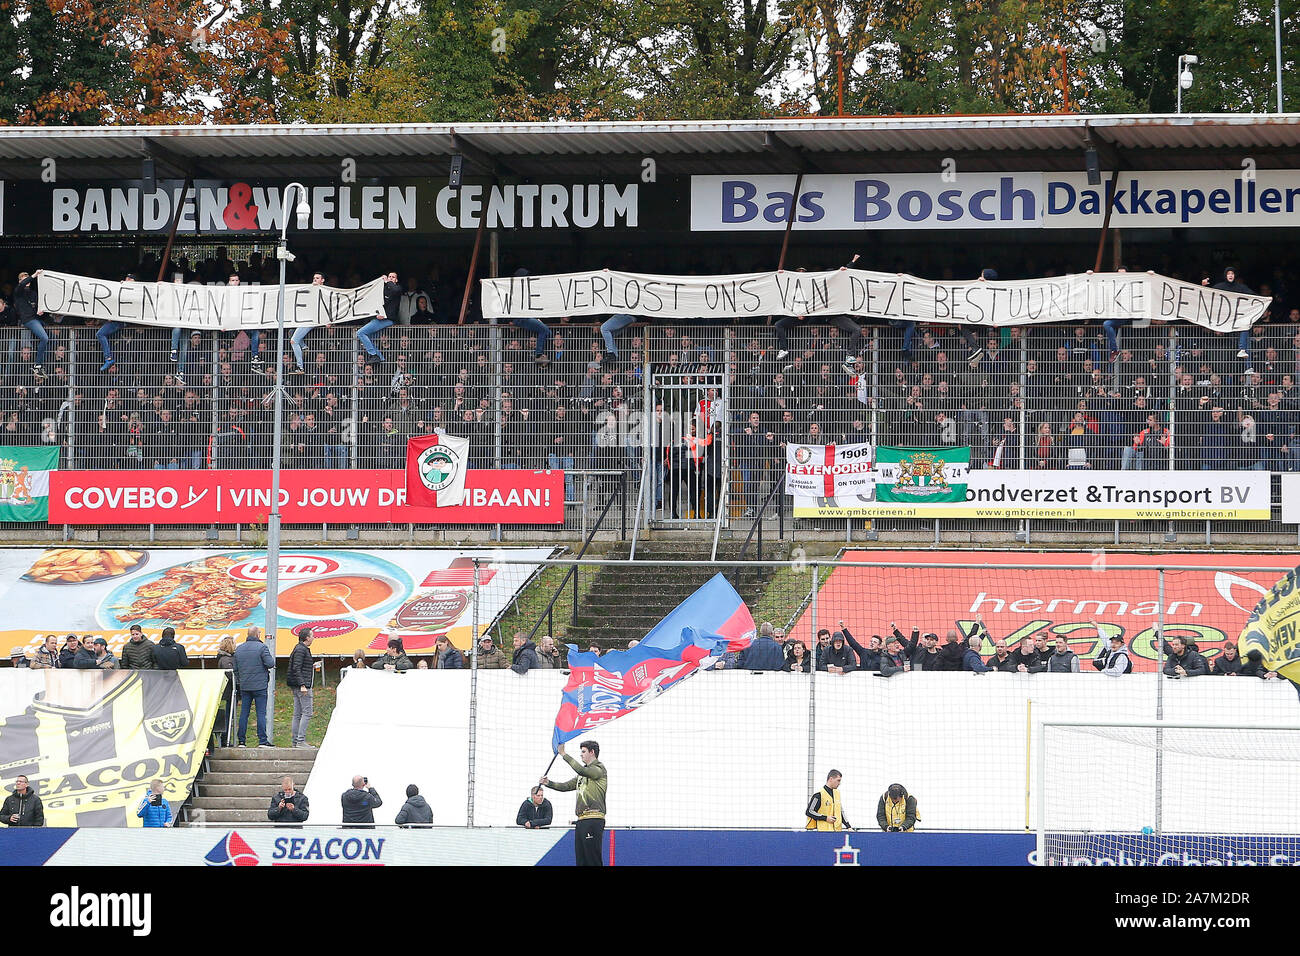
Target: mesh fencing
{"x":703,"y":411}
{"x":941,"y":679}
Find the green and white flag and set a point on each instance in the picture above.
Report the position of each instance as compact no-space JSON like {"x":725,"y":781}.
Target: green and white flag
{"x":921,"y":475}
{"x":25,"y":482}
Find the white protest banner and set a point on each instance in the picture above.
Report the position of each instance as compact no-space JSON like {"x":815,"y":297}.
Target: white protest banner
{"x":193,"y":306}
{"x":1154,"y":494}
{"x":878,"y":295}
{"x":827,"y":470}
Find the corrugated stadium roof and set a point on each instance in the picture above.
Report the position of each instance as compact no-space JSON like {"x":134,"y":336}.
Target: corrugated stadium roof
{"x":888,"y":143}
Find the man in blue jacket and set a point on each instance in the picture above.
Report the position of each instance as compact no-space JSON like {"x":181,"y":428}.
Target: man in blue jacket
{"x":154,"y":809}
{"x":253,"y":666}
{"x":763,"y":653}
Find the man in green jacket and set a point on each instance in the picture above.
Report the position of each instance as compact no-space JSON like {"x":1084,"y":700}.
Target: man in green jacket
{"x":592,"y":783}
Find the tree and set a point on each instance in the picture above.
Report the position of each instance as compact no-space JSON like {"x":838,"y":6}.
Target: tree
{"x":142,"y":61}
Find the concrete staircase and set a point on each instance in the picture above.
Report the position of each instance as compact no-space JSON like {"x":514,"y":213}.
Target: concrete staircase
{"x":237,"y":784}
{"x":628,"y":599}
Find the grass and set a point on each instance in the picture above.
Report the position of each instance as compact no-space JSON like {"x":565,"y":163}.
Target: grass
{"x":523,"y":613}
{"x":783,"y":596}
{"x":323,"y":700}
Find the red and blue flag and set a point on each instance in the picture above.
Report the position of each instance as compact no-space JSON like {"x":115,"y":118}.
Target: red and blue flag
{"x":604,"y":687}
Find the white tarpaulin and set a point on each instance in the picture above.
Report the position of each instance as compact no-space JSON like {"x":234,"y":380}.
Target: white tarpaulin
{"x":193,"y":306}
{"x":824,"y":471}
{"x":878,"y":295}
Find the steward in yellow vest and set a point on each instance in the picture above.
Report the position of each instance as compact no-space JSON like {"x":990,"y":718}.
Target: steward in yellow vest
{"x":824,"y":811}
{"x":897,"y":810}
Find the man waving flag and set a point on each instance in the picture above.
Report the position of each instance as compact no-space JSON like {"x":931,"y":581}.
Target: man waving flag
{"x":604,"y":687}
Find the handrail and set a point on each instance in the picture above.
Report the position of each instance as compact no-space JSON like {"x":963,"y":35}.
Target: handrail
{"x":758,"y":521}
{"x":572,"y":572}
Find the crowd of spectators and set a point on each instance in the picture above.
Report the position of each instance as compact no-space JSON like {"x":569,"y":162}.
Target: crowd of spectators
{"x":839,"y":652}
{"x":569,"y":396}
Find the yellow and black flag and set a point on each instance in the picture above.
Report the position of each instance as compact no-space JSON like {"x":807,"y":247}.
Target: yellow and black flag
{"x":1274,"y":628}
{"x":90,"y":742}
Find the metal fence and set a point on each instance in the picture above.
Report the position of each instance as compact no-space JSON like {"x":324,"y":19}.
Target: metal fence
{"x":704,"y":411}
{"x":962,"y":740}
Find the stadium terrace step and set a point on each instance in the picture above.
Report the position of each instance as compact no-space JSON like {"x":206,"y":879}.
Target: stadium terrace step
{"x":207,"y":804}
{"x":217,"y":818}
{"x":270,"y":779}
{"x":262,"y":753}
{"x":236,"y":784}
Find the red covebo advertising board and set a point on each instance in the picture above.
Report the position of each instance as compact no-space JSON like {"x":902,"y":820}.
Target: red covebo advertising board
{"x":308,"y":496}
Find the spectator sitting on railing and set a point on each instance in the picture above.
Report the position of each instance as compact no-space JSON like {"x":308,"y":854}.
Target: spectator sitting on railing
{"x":288,"y":806}
{"x":1184,"y":660}
{"x":394,"y":659}
{"x":449,"y":658}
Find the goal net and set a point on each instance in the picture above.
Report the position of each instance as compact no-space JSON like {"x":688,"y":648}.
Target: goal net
{"x":1168,"y":794}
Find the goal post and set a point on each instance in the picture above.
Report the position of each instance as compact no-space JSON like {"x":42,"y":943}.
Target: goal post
{"x":1164,"y":793}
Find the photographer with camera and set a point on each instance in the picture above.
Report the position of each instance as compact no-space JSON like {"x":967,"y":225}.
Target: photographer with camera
{"x":896,"y":812}
{"x":154,"y":808}
{"x":359,"y":804}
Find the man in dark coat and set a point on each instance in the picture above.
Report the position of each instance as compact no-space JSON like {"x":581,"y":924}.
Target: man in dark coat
{"x":416,"y":811}
{"x":253,"y":666}
{"x":763,"y":653}
{"x":535,"y":812}
{"x":288,"y":806}
{"x":168,"y":655}
{"x":359,"y":804}
{"x":1184,"y":660}
{"x":137,"y":654}
{"x":22,"y":808}
{"x":525,"y":656}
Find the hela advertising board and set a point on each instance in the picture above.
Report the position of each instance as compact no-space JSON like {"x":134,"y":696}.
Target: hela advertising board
{"x":1202,"y":602}
{"x":1018,"y":200}
{"x":350,"y":598}
{"x":315,"y":496}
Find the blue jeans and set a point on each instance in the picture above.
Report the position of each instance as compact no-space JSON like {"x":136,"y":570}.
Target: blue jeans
{"x":37,"y":329}
{"x":167,"y":466}
{"x":336,"y":456}
{"x":299,"y":336}
{"x":538,"y":328}
{"x":246,"y":699}
{"x":181,"y":346}
{"x":1132,"y":460}
{"x":373,"y":327}
{"x":909,"y":332}
{"x":105,"y":335}
{"x":1243,"y":345}
{"x":1111,"y":328}
{"x":565,"y":463}
{"x":611,"y":325}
